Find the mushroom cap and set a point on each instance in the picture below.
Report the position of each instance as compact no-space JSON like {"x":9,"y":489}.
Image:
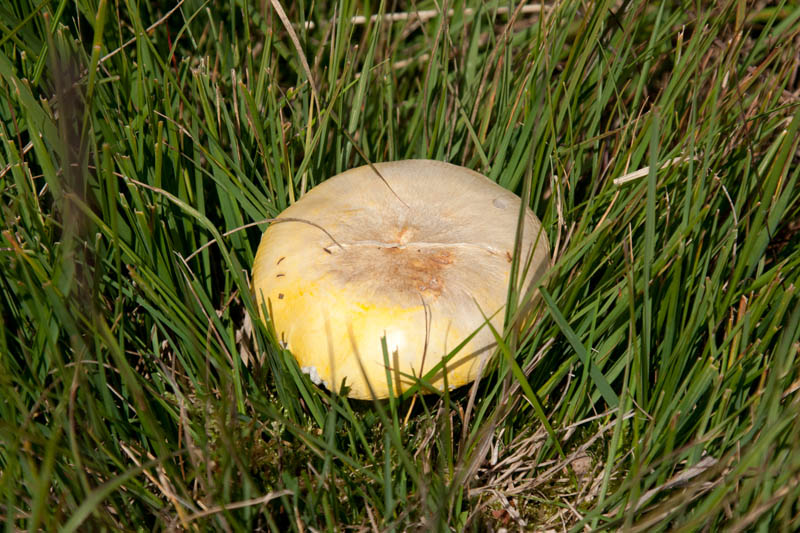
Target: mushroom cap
{"x":420,"y":254}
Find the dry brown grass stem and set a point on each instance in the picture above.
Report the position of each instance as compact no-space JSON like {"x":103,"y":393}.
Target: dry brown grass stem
{"x":425,"y":15}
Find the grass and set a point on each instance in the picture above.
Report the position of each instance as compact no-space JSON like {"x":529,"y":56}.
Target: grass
{"x":142,"y":150}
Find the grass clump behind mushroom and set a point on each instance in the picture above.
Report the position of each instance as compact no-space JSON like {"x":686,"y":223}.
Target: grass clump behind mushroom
{"x":144,"y":147}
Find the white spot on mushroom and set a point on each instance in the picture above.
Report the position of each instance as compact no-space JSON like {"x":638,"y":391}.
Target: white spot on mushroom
{"x":396,"y":345}
{"x":500,"y":203}
{"x":313,"y":375}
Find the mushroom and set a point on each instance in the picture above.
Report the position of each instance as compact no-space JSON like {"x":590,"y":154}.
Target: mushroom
{"x":417,"y":252}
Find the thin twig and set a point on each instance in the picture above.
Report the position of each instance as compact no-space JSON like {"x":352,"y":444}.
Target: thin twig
{"x":148,"y":30}
{"x":265,"y":221}
{"x":293,"y":36}
{"x":642,"y":172}
{"x":427,"y":14}
{"x":238,"y":505}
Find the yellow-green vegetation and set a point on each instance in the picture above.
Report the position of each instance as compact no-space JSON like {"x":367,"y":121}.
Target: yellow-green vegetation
{"x":145,"y":145}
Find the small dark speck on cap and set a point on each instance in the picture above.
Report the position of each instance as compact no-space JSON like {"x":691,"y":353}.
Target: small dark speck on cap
{"x":280,"y":296}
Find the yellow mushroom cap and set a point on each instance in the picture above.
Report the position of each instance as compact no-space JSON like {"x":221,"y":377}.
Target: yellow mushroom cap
{"x":418,"y":254}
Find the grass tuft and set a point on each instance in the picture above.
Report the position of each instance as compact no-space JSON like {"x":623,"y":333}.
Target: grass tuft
{"x":144,"y":148}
